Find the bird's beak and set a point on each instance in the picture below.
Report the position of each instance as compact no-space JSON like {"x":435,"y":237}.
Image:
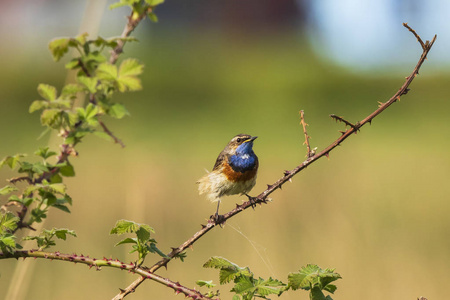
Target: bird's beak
{"x":251,"y":139}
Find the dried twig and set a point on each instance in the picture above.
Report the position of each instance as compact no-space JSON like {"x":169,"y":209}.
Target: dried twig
{"x":307,"y":137}
{"x":263,"y":197}
{"x":129,"y":27}
{"x":108,"y":132}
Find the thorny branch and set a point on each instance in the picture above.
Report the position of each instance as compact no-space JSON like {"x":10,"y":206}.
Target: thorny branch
{"x":307,"y":137}
{"x":107,"y":262}
{"x":263,"y":197}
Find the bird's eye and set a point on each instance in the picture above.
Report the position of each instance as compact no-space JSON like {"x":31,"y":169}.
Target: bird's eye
{"x":238,"y":140}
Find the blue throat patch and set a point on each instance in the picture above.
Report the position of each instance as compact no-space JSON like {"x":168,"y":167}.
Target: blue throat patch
{"x":244,"y":159}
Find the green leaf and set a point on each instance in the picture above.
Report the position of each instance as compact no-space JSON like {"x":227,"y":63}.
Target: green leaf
{"x":143,"y":235}
{"x":237,"y":297}
{"x":70,"y":90}
{"x":7,"y":190}
{"x":228,"y":270}
{"x":125,"y":226}
{"x":67,"y":170}
{"x":72,"y":64}
{"x":311,"y":276}
{"x":47,"y":92}
{"x":8,"y":222}
{"x":89,"y":82}
{"x":59,"y":47}
{"x":118,"y":4}
{"x":8,"y":243}
{"x":317,"y":294}
{"x":61,"y":233}
{"x":107,"y":71}
{"x":208,"y":284}
{"x":49,"y":117}
{"x":130,"y":67}
{"x":127,"y":241}
{"x":153,"y":17}
{"x":118,"y":111}
{"x":269,"y":287}
{"x":128,"y":72}
{"x":44,"y":152}
{"x":59,"y":188}
{"x":38,"y":105}
{"x":11,"y":161}
{"x":81,"y":38}
{"x":154,"y":2}
{"x":45,"y":238}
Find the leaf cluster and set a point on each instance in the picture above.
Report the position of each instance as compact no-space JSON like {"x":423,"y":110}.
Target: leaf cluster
{"x":143,"y":244}
{"x":96,"y":80}
{"x":46,"y":238}
{"x":139,"y":7}
{"x":246,"y":286}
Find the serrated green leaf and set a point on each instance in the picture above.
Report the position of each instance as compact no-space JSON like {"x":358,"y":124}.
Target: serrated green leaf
{"x":243,"y":285}
{"x":59,"y":188}
{"x":47,"y":92}
{"x":143,"y":235}
{"x":61,"y":233}
{"x":44,"y":152}
{"x":128,"y":83}
{"x":38,"y":105}
{"x":89,"y":82}
{"x":8,"y":222}
{"x":107,"y":71}
{"x":70,"y":90}
{"x":118,"y":111}
{"x":130,"y":67}
{"x":11,"y":161}
{"x":269,"y":287}
{"x":7,"y":190}
{"x":124,"y":226}
{"x":208,"y":284}
{"x":126,"y":241}
{"x":8,"y":243}
{"x":218,"y":263}
{"x":59,"y":47}
{"x":39,"y":168}
{"x":128,"y":72}
{"x":50,"y":116}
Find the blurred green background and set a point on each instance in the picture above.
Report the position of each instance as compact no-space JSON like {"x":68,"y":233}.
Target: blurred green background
{"x":376,"y":210}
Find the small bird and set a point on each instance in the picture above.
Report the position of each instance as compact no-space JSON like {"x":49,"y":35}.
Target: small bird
{"x":234,"y":171}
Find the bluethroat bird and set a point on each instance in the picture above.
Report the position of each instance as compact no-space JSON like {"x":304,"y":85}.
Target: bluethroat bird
{"x":234,"y":171}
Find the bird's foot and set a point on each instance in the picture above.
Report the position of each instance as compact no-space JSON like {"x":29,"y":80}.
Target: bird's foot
{"x":217,"y":219}
{"x":252,"y":200}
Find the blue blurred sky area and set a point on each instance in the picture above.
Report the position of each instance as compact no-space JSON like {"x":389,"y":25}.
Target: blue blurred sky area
{"x":357,"y":34}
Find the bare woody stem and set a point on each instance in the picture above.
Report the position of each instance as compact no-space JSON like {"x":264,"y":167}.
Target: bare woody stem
{"x":133,"y":21}
{"x":307,"y":137}
{"x":263,"y":197}
{"x":105,"y":262}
